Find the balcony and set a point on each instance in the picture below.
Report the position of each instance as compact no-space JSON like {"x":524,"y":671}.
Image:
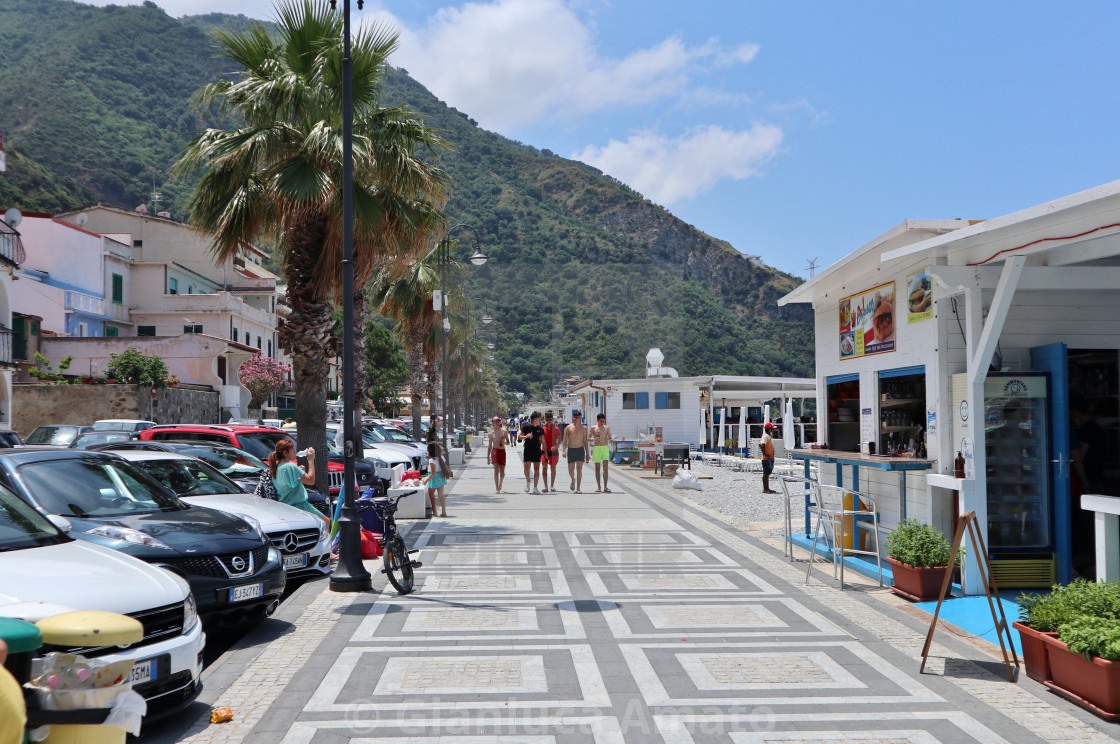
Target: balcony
{"x":11,"y":247}
{"x":196,"y":306}
{"x":85,"y":303}
{"x":7,"y":338}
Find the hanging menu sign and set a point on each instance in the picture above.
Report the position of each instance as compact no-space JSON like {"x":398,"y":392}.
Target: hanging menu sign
{"x":867,"y":322}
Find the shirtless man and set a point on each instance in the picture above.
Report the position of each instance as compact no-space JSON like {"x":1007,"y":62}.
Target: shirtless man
{"x":601,"y":450}
{"x":574,"y":445}
{"x":496,"y":452}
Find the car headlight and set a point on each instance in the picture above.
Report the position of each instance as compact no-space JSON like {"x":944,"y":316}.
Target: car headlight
{"x":380,"y":464}
{"x":190,"y":613}
{"x":252,"y":522}
{"x":324,"y":530}
{"x":128,"y":535}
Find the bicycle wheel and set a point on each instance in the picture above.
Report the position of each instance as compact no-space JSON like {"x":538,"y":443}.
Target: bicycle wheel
{"x":398,"y":566}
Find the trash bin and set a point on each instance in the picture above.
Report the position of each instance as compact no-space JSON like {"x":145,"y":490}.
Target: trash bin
{"x":88,"y":628}
{"x":23,"y":640}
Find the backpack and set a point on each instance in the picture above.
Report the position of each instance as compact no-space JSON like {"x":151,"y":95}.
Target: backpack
{"x":265,"y":487}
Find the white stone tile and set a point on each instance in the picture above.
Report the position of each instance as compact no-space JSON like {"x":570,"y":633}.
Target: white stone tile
{"x":768,"y":670}
{"x":688,"y":616}
{"x":464,"y":675}
{"x":421,"y":620}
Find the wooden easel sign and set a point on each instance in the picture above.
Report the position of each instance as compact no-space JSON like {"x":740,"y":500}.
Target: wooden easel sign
{"x":968,"y":522}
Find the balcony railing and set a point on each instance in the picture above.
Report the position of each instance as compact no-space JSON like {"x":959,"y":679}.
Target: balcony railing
{"x":11,"y":247}
{"x":85,"y":303}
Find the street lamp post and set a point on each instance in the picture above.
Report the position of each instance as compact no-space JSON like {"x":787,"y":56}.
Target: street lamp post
{"x":350,"y":575}
{"x":477,"y":258}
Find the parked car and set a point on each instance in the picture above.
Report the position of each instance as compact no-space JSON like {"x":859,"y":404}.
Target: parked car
{"x":55,"y":435}
{"x":94,"y":438}
{"x":383,"y":456}
{"x":393,"y":435}
{"x":240,"y":466}
{"x":122,"y":425}
{"x":302,"y":538}
{"x":9,"y":438}
{"x":234,"y":572}
{"x":44,"y":572}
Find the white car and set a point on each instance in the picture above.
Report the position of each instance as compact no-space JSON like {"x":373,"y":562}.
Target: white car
{"x":392,"y":435}
{"x":383,"y":456}
{"x":134,"y":425}
{"x":44,"y":572}
{"x":302,"y":538}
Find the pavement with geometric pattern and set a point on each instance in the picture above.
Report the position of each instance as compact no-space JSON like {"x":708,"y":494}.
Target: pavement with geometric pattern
{"x":625,"y":617}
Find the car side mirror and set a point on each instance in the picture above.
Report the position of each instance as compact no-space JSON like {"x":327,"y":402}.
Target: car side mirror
{"x":61,"y":522}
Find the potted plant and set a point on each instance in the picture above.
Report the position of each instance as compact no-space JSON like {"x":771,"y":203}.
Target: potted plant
{"x":1085,"y":664}
{"x":919,"y":556}
{"x":1041,"y":617}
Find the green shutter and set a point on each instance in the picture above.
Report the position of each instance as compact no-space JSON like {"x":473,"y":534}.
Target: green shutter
{"x":34,"y":328}
{"x":145,"y":330}
{"x":111,"y":332}
{"x":118,"y":290}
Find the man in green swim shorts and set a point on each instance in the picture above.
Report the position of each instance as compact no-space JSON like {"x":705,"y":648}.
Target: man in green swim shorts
{"x":601,"y":450}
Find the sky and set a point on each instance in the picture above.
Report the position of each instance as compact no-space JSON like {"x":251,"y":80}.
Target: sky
{"x":795,"y":130}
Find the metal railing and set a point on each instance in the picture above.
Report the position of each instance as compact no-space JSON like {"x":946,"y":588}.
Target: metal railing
{"x":85,"y":303}
{"x":11,"y":247}
{"x":7,"y":336}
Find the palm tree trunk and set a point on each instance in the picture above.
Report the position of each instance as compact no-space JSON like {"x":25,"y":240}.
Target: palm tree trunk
{"x":415,"y":335}
{"x":306,"y":336}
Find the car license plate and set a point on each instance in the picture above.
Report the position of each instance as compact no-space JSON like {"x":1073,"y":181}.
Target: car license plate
{"x":249,"y":591}
{"x":295,"y":561}
{"x":144,"y":671}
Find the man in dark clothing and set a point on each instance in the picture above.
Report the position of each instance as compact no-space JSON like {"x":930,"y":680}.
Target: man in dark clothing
{"x":433,"y":431}
{"x":532,"y":434}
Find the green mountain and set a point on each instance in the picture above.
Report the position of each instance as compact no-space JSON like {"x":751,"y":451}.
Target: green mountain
{"x":585,"y":275}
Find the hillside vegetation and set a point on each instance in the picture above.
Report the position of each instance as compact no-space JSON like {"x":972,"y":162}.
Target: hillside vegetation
{"x":585,"y":275}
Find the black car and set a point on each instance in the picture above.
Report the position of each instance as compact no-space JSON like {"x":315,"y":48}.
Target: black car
{"x":234,"y":572}
{"x":95,"y":438}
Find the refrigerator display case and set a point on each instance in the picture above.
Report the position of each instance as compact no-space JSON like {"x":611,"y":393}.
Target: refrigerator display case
{"x":1020,"y":499}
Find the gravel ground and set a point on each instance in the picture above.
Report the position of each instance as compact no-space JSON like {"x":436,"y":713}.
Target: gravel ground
{"x":737,"y":495}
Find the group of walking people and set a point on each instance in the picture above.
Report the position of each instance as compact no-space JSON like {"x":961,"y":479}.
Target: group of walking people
{"x":543,"y":446}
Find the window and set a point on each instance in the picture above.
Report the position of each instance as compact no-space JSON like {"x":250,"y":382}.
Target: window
{"x":666,"y":400}
{"x":270,"y":347}
{"x":111,"y":332}
{"x":147,"y":330}
{"x":82,"y":330}
{"x":192,"y":329}
{"x":118,"y":289}
{"x":234,"y":334}
{"x":138,"y":244}
{"x":258,"y":342}
{"x":172,"y":286}
{"x":34,"y":328}
{"x":635,"y":400}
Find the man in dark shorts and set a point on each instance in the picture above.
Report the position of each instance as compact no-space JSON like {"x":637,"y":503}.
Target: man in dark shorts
{"x":433,"y":430}
{"x":551,"y":452}
{"x":532,"y":434}
{"x":574,"y":446}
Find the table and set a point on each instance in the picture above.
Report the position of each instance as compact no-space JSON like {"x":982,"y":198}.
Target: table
{"x":857,"y":460}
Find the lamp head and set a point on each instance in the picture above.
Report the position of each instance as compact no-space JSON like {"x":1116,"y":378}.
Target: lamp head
{"x":478,"y":257}
{"x":487,"y":320}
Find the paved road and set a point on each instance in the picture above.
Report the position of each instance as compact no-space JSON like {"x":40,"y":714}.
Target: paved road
{"x":624,"y":617}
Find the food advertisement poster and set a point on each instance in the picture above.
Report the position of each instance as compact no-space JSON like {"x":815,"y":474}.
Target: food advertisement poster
{"x":867,"y":322}
{"x":919,"y":297}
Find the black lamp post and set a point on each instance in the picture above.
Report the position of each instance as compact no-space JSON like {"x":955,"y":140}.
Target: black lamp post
{"x":477,"y":258}
{"x":350,"y":575}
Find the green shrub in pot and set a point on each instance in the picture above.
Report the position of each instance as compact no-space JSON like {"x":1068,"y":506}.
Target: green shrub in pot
{"x":1092,"y":636}
{"x":1064,"y":604}
{"x":918,"y":544}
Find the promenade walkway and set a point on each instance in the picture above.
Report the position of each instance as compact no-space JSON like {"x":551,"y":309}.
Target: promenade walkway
{"x":610,"y":618}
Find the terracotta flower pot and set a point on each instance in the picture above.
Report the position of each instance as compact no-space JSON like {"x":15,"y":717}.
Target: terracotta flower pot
{"x":1094,"y":685}
{"x":917,"y":584}
{"x":1035,"y":657}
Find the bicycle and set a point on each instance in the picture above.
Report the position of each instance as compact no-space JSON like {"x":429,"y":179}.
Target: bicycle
{"x":398,"y":566}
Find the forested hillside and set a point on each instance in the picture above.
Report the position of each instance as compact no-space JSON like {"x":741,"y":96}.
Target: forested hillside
{"x":585,"y":274}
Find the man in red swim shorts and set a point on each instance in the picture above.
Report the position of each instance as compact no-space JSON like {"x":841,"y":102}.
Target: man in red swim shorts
{"x":550,"y":455}
{"x":496,"y":452}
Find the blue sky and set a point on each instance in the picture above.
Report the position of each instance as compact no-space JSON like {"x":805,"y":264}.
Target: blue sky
{"x":793,"y":130}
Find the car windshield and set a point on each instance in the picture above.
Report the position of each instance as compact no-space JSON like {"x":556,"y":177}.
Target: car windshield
{"x":260,"y":443}
{"x":395,"y":435}
{"x":188,"y":477}
{"x":63,"y":435}
{"x":115,"y":426}
{"x":372,"y":434}
{"x":23,"y":527}
{"x":82,"y":487}
{"x":228,"y":460}
{"x":100,"y":437}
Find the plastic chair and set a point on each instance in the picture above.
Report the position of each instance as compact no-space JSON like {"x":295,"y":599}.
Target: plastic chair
{"x":794,"y":487}
{"x":831,"y":516}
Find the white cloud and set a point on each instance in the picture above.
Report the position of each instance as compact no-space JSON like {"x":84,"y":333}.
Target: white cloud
{"x":512,"y":63}
{"x":667,"y":170}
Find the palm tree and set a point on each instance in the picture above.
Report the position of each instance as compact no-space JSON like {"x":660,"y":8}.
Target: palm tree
{"x":279,"y":175}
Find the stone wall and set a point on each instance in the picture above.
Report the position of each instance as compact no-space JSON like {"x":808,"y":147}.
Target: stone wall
{"x":37,"y":404}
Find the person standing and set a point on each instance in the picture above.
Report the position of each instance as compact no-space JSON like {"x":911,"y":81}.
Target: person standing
{"x":601,"y":450}
{"x":433,"y":430}
{"x":290,"y":479}
{"x":496,"y":452}
{"x":532,"y":434}
{"x":513,"y":430}
{"x":437,"y":478}
{"x":766,"y":445}
{"x":574,"y":445}
{"x":551,"y":452}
